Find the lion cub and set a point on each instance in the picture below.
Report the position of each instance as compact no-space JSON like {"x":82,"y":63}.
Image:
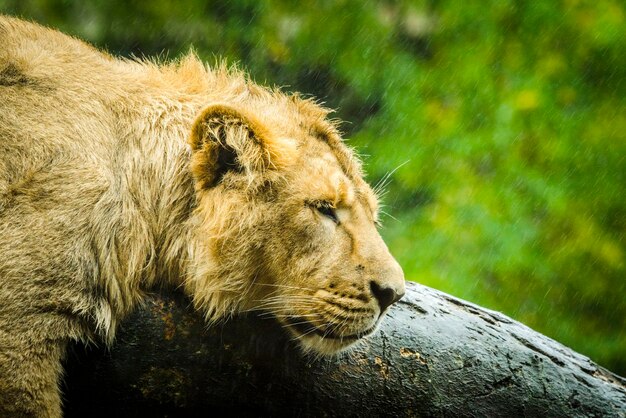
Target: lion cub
{"x":118,"y":176}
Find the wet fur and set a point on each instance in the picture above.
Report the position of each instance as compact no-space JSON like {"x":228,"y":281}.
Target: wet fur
{"x":118,"y":177}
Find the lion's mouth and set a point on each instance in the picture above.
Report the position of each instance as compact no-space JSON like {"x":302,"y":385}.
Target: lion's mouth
{"x":304,"y":327}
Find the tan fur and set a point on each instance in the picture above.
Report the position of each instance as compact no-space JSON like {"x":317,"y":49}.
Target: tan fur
{"x":119,"y":176}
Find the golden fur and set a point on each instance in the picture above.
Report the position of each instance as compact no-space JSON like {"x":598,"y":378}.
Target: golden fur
{"x":119,"y":176}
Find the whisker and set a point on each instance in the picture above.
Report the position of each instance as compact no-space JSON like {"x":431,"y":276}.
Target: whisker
{"x":389,"y":215}
{"x":298,"y":337}
{"x":384,"y":181}
{"x":286,"y":315}
{"x":295,"y":323}
{"x":279,"y":307}
{"x":283,"y":301}
{"x":285,"y":286}
{"x":287,"y":297}
{"x":292,"y":303}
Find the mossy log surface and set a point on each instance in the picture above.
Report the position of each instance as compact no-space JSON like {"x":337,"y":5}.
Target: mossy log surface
{"x":435,"y":355}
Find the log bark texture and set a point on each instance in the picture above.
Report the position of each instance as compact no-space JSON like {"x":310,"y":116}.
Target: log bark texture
{"x":435,"y":355}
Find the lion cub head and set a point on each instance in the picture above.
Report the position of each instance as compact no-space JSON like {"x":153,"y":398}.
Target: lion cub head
{"x":286,"y":224}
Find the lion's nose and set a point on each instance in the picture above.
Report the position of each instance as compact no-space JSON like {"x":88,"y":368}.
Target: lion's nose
{"x":385,"y":295}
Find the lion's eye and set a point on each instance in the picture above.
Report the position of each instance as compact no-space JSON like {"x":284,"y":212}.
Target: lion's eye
{"x":326,"y":209}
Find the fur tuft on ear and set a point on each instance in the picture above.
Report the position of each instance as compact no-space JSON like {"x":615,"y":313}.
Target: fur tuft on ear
{"x":224,"y":139}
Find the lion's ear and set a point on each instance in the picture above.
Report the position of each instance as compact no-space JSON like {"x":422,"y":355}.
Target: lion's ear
{"x":225,"y":139}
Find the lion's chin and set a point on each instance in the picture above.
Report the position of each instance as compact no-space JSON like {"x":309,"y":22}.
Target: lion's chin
{"x":312,"y":344}
{"x":315,"y":341}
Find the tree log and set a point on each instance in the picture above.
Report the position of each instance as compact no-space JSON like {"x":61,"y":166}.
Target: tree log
{"x":435,"y":355}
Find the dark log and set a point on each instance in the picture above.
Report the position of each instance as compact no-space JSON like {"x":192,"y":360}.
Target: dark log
{"x":435,"y":355}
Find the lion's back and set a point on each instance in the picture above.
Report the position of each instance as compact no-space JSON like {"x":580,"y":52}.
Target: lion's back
{"x":32,"y":54}
{"x":51,"y":133}
{"x":53,"y":111}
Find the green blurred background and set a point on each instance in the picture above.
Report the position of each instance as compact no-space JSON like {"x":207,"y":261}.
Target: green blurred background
{"x":505,"y":123}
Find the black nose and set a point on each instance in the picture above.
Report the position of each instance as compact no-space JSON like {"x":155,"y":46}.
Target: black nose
{"x":384,"y":295}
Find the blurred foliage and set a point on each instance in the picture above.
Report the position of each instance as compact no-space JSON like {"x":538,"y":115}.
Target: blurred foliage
{"x":503,"y":124}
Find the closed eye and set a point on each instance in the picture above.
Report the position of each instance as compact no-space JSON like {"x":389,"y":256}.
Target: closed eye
{"x":326,"y":209}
